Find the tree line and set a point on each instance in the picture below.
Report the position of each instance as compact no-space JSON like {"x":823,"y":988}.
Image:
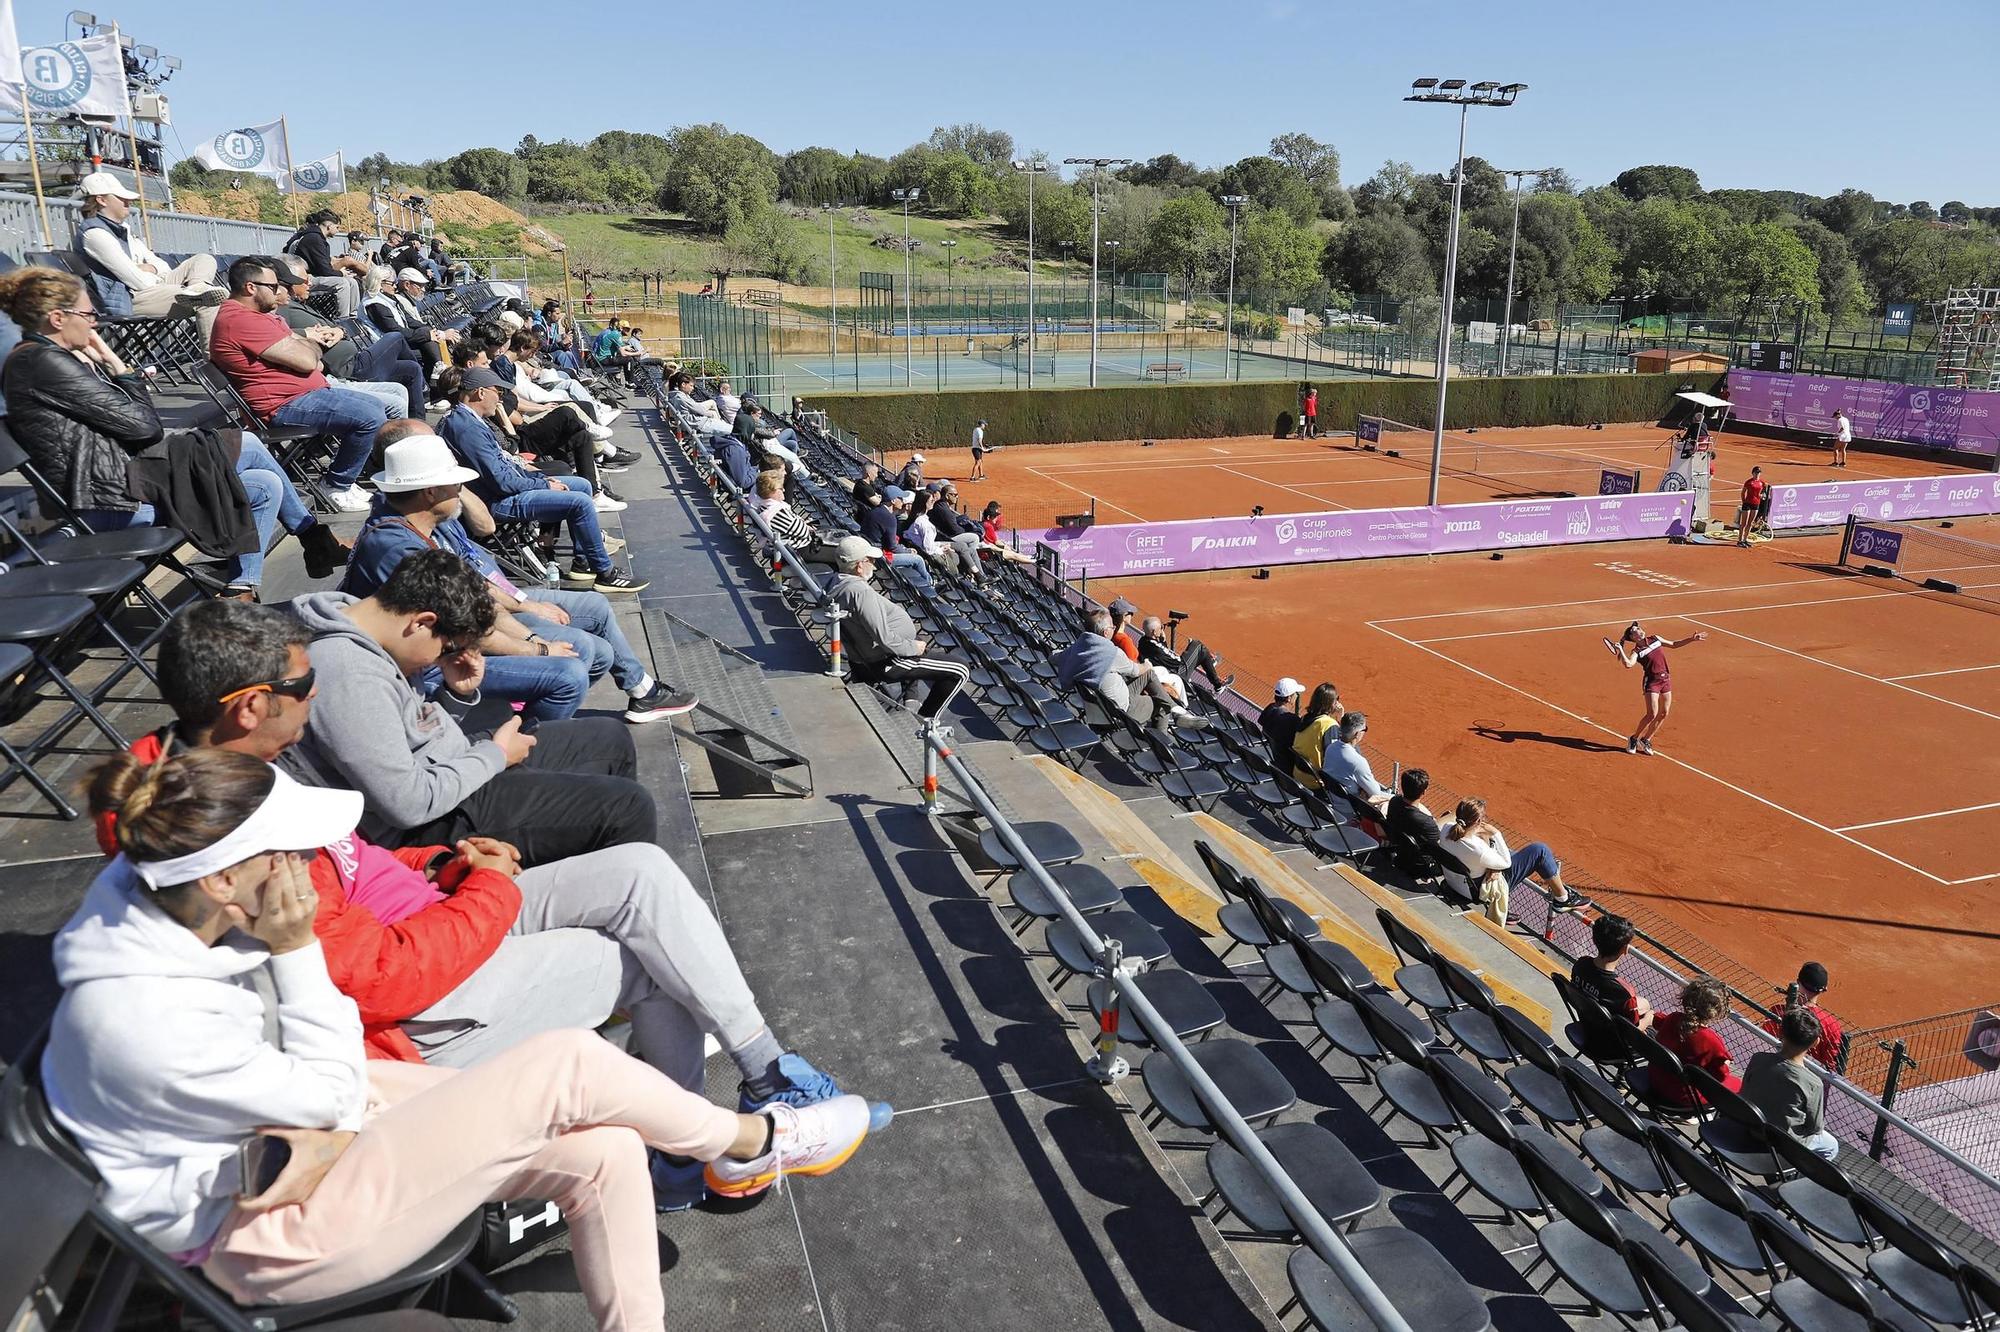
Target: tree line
{"x":1303,"y":238}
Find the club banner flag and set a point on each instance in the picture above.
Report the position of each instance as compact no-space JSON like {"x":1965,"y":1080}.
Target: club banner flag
{"x":85,"y":77}
{"x":256,"y":149}
{"x":326,"y":176}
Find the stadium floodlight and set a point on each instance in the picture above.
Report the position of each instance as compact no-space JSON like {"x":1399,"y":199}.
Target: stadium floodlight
{"x":1513,"y":243}
{"x":1096,"y":165}
{"x":1235,"y":204}
{"x":906,"y":197}
{"x":1031,"y":168}
{"x":1456,"y":93}
{"x":171,"y":62}
{"x":146,"y":52}
{"x":83,"y":20}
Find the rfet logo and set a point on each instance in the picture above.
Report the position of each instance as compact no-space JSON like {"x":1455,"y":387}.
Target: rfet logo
{"x":57,"y":77}
{"x":242,"y":149}
{"x":312,"y":176}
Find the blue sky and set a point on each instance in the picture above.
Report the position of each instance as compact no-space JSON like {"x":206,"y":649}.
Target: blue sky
{"x":1780,"y":94}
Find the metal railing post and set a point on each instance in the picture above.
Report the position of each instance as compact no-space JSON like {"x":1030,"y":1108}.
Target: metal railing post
{"x":934,"y":748}
{"x":1898,"y":1057}
{"x":834,"y":665}
{"x":1107,"y":1065}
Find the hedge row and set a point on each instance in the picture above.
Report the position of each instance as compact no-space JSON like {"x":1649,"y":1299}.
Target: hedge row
{"x":1208,"y":411}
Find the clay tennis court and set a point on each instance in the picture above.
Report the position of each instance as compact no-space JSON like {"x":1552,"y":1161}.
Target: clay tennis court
{"x":1829,"y":783}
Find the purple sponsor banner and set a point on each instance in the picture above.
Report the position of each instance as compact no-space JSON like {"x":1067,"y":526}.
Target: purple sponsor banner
{"x":1115,"y":550}
{"x":1829,"y":503}
{"x":1963,"y":420}
{"x":1877,"y":543}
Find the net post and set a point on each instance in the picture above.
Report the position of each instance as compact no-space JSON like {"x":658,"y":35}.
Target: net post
{"x":1846,"y":541}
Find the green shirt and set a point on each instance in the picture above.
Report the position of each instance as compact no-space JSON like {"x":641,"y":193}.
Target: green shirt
{"x":1789,"y":1093}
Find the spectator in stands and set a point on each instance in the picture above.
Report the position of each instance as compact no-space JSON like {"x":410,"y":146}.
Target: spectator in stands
{"x":215,"y":847}
{"x":1155,"y":650}
{"x":557,"y":332}
{"x":735,"y":460}
{"x":727,"y":403}
{"x":1412,"y":827}
{"x":1347,"y":767}
{"x":1691,"y":1035}
{"x":969,"y":541}
{"x":545,"y":651}
{"x":392,"y":312}
{"x":1598,"y":976}
{"x":868,"y":488}
{"x":1094,"y":662}
{"x":788,"y":524}
{"x":342,"y":275}
{"x":561,"y":791}
{"x":1481,"y":848}
{"x":1812,"y":985}
{"x":1782,"y":1085}
{"x":279,"y":374}
{"x":881,"y":641}
{"x":513,"y":489}
{"x":562,"y":441}
{"x":386,"y":369}
{"x":1280,"y":721}
{"x":702,"y":417}
{"x":1122,"y":612}
{"x":1322,"y":715}
{"x":400,"y":250}
{"x":127,"y":278}
{"x":536,"y":382}
{"x":88,"y":425}
{"x":439,"y":265}
{"x":883,"y":525}
{"x":911,"y":478}
{"x":755,"y":431}
{"x":989,"y":523}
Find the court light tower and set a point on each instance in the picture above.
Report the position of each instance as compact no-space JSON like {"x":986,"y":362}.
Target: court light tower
{"x":832,"y":303}
{"x":1112,"y":245}
{"x":906,"y":197}
{"x":1458,"y":93}
{"x":1234,"y":203}
{"x":949,"y":246}
{"x":1031,"y":167}
{"x":1513,"y":243}
{"x":1096,"y":165}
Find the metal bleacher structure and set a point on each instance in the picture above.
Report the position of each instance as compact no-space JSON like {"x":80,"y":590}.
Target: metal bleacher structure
{"x":1216,"y":1097}
{"x":1655,"y":1221}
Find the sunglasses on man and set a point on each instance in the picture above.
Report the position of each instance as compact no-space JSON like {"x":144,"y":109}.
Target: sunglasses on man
{"x":298,"y":687}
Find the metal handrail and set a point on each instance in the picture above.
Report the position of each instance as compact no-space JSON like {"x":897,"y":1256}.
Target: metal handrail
{"x":1313,"y":1228}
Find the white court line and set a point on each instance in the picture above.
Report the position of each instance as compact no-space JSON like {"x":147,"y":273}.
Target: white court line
{"x":1962,"y":670}
{"x":1279,"y":485}
{"x":1845,"y":670}
{"x":801,"y":365}
{"x":1699,"y":772}
{"x":1593,"y":601}
{"x":1036,"y":471}
{"x":1918,"y":818}
{"x":1978,"y":878}
{"x":1722,"y":610}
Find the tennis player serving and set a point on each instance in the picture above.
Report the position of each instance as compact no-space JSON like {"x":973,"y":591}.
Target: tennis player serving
{"x":1649,"y":653}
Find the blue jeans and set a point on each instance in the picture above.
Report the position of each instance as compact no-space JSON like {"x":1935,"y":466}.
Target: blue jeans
{"x":551,"y":688}
{"x":913,"y":567}
{"x":1533,"y":859}
{"x":573,"y":506}
{"x":594,"y":632}
{"x":390,"y":360}
{"x":271,"y":498}
{"x":352,"y":418}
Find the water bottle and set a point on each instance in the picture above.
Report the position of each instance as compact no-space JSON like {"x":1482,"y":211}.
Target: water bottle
{"x":550,"y":575}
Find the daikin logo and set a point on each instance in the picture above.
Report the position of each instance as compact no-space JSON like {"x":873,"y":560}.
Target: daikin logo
{"x":1223,"y":543}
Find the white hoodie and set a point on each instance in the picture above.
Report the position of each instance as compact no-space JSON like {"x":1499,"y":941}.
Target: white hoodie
{"x":157,"y":1061}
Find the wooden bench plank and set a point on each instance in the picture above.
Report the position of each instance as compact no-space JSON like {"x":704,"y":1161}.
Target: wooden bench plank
{"x":1180,"y":887}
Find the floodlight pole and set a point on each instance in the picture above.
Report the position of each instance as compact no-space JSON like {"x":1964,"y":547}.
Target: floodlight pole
{"x":1233,"y":202}
{"x":832,"y":304}
{"x":1097,"y":165}
{"x":1031,"y":168}
{"x":905,"y":197}
{"x":1513,"y":243}
{"x":1455,"y":92}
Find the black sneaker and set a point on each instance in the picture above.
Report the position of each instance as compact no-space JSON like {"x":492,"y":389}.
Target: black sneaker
{"x":624,"y":457}
{"x":579,"y":571}
{"x":610,"y":463}
{"x":658,"y":702}
{"x":619,"y":581}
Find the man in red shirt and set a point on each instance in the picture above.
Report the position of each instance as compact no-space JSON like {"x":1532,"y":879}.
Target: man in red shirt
{"x":1812,"y":985}
{"x":278,"y":373}
{"x":1122,"y":612}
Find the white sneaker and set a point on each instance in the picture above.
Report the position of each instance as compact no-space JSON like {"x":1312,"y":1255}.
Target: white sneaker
{"x":606,"y":504}
{"x":606,"y":415}
{"x":351,"y":500}
{"x":814,"y":1140}
{"x":598,"y":431}
{"x":440,"y":406}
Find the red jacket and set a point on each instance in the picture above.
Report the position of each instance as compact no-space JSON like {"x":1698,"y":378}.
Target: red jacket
{"x":391,"y":971}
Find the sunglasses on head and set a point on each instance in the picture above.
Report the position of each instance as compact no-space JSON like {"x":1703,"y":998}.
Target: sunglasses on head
{"x":299,"y":687}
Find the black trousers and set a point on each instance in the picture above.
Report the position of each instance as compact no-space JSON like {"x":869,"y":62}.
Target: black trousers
{"x":937,"y":678}
{"x":574,"y":793}
{"x":560,"y":436}
{"x":1194,"y":657}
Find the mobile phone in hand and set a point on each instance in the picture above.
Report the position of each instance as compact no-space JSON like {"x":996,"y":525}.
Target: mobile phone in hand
{"x":260,"y":1160}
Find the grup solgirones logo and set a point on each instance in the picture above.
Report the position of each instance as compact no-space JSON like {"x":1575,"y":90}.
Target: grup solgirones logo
{"x":312,"y":176}
{"x":242,"y":149}
{"x":57,"y":77}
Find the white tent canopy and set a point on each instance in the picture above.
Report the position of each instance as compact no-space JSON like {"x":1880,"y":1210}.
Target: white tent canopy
{"x":1703,"y":399}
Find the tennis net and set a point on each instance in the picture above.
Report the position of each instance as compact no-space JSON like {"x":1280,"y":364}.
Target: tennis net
{"x":1926,"y":556}
{"x":1504,"y":469}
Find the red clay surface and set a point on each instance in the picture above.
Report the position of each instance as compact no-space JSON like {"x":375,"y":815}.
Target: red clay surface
{"x":1828,"y":786}
{"x":1202,"y":478}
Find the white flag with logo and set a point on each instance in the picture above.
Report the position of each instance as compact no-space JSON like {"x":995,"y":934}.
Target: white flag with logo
{"x":256,"y":149}
{"x":85,"y":77}
{"x":326,"y":176}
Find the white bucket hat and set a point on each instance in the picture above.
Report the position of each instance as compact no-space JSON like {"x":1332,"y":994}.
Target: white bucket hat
{"x":418,"y":462}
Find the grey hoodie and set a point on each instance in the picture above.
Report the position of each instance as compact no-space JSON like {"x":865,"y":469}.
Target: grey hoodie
{"x":372,"y":732}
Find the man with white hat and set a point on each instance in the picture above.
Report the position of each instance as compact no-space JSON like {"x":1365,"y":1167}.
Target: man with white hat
{"x":881,"y":640}
{"x":1280,"y":721}
{"x":911,"y":478}
{"x":545,"y":651}
{"x":127,"y":278}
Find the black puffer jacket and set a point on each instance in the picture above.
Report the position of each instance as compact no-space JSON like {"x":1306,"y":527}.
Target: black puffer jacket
{"x":78,"y":425}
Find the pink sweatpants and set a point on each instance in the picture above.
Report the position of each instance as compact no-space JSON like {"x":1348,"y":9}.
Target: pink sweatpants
{"x":563,"y":1115}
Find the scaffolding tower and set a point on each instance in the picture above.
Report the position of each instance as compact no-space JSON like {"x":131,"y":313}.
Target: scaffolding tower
{"x":1968,"y":340}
